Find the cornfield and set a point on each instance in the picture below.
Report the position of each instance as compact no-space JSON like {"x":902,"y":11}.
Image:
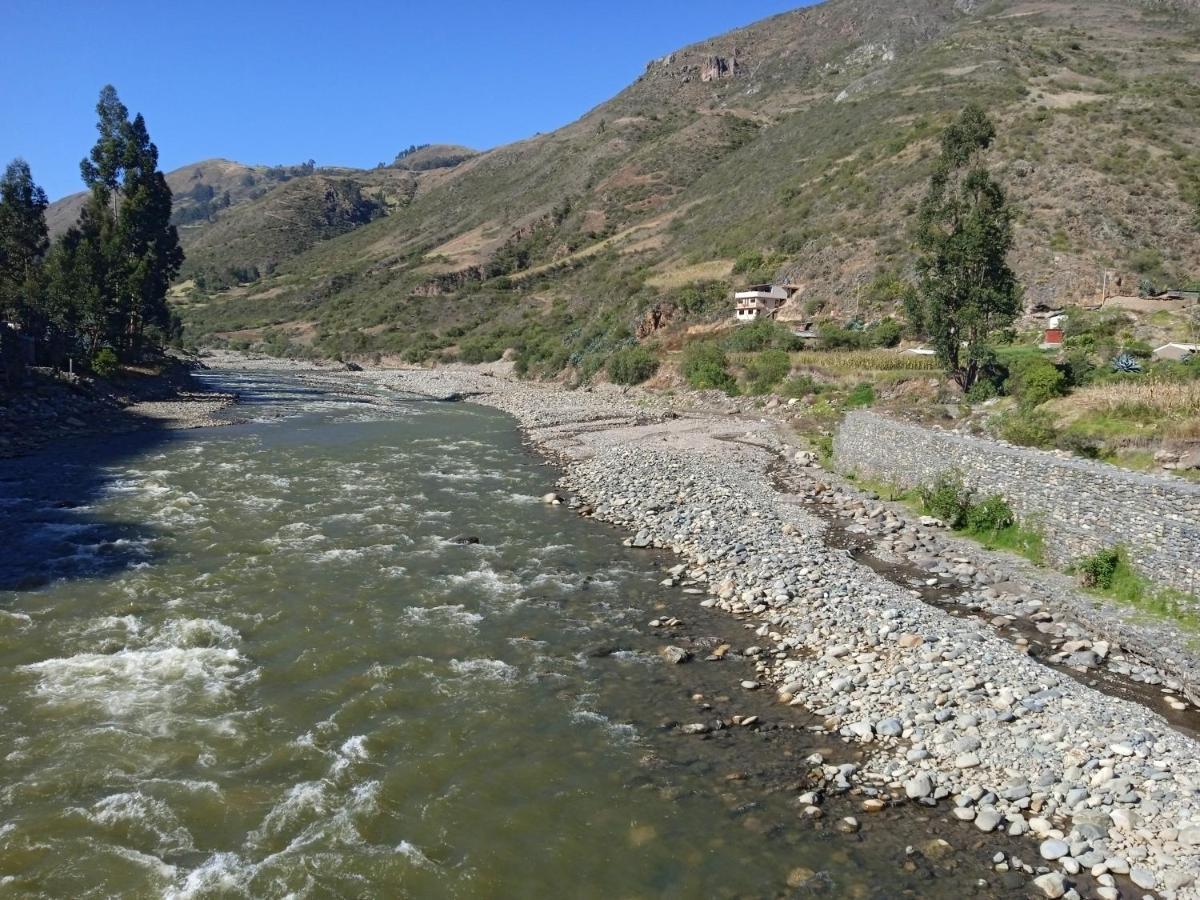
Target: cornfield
{"x":869,"y":360}
{"x":1167,"y":398}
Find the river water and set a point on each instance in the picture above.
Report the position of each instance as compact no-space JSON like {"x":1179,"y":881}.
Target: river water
{"x":248,"y":661}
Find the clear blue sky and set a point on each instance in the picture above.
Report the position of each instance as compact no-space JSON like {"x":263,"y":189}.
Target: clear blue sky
{"x":346,"y":83}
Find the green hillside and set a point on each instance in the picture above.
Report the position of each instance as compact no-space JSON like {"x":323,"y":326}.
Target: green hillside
{"x":795,"y":147}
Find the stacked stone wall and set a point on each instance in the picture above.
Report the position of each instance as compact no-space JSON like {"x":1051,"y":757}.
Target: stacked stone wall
{"x":1081,"y":506}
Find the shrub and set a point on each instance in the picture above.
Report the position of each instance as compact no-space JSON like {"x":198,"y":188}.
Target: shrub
{"x":700,"y":297}
{"x":1100,"y":569}
{"x":947,"y":499}
{"x":835,"y":337}
{"x":767,"y":369}
{"x":105,"y":363}
{"x":1028,"y":428}
{"x":801,"y":386}
{"x":1080,"y":369}
{"x":1078,"y":443}
{"x":632,"y":365}
{"x":704,"y":368}
{"x":983,"y":389}
{"x":862,"y":395}
{"x":763,"y":334}
{"x":885,"y":334}
{"x":992,"y":515}
{"x":749,"y":261}
{"x":1034,"y":379}
{"x":480,"y":350}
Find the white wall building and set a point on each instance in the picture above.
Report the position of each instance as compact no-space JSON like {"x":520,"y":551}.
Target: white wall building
{"x":1176,"y":351}
{"x":761,"y":300}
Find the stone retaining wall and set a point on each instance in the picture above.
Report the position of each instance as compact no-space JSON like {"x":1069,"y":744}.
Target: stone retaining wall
{"x":1080,"y":505}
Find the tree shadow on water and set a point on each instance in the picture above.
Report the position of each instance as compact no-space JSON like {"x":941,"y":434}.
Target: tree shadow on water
{"x":49,"y":526}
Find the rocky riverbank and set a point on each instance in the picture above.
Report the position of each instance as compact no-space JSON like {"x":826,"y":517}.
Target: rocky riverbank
{"x":51,"y":407}
{"x":958,"y":717}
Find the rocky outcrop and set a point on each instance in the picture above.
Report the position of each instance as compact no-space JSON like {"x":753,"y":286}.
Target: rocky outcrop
{"x":717,"y":67}
{"x":660,"y":315}
{"x":448,"y":282}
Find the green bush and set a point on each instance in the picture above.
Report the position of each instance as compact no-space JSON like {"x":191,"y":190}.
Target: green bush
{"x":704,"y":367}
{"x":763,"y":334}
{"x":862,"y":395}
{"x":1028,"y":428}
{"x":801,"y":386}
{"x":992,"y":515}
{"x":1080,"y":368}
{"x":884,"y":334}
{"x":700,"y":297}
{"x":835,"y":337}
{"x":632,"y":365}
{"x":1034,"y":379}
{"x":749,"y":261}
{"x":983,"y":389}
{"x":480,"y":350}
{"x":948,"y":499}
{"x":1100,"y":569}
{"x":765,"y":370}
{"x":105,"y":363}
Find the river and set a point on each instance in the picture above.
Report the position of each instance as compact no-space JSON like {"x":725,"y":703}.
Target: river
{"x":251,"y":661}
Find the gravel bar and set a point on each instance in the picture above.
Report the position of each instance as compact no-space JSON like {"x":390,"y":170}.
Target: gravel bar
{"x":958,"y":717}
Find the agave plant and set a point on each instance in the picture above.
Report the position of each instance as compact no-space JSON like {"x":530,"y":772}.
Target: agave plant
{"x":1124,"y":362}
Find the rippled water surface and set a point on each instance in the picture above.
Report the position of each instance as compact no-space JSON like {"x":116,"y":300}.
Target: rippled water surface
{"x":249,"y":662}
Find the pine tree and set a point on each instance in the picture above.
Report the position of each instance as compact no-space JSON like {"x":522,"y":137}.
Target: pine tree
{"x":148,"y":238}
{"x":81,"y":278}
{"x":967,"y":290}
{"x":23,"y":245}
{"x":126,"y":246}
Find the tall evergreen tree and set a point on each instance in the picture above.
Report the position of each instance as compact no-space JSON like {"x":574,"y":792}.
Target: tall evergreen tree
{"x":81,"y":279}
{"x":23,"y":244}
{"x":126,"y":245}
{"x":966,"y":290}
{"x":103,"y":165}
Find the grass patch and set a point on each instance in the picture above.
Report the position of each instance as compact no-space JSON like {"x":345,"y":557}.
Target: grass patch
{"x":1108,"y":573}
{"x":888,"y":490}
{"x":862,"y":395}
{"x":1024,"y":540}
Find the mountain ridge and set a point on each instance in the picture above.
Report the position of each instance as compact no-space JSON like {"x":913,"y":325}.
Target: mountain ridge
{"x":794,"y":147}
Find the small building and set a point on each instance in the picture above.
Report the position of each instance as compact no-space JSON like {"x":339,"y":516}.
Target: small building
{"x":762,"y":301}
{"x":921,"y":351}
{"x":1176,"y":351}
{"x":1052,"y":338}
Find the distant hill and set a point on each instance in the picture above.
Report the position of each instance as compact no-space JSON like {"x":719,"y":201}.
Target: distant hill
{"x":433,"y":156}
{"x":795,"y":147}
{"x":196,"y":188}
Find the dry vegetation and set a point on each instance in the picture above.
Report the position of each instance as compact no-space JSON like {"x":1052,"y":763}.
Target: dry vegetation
{"x":1163,"y":398}
{"x":865,"y":361}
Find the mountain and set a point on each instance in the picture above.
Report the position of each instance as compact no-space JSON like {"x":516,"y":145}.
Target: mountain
{"x":797,"y":147}
{"x":194,"y":186}
{"x":237,"y":221}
